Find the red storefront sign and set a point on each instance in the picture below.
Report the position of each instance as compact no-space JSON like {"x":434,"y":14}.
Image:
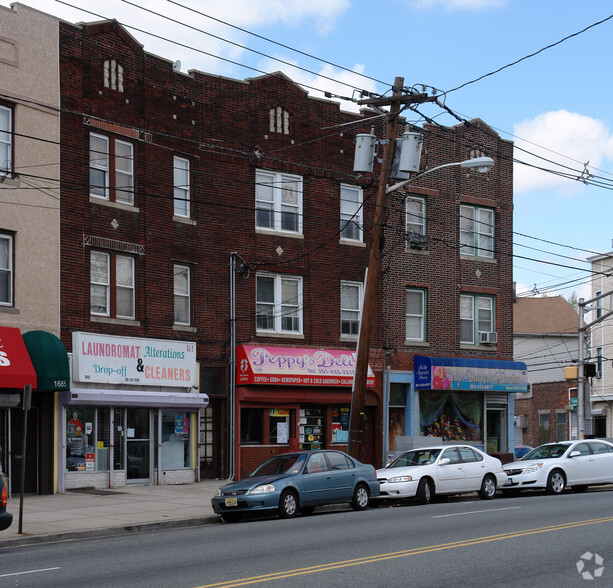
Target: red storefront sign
{"x":16,"y":369}
{"x":296,"y":367}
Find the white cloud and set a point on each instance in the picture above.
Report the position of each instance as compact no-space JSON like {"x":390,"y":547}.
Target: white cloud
{"x":450,"y":5}
{"x":567,"y":138}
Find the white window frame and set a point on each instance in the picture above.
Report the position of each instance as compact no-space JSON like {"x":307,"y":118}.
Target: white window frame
{"x":278,"y":196}
{"x":102,"y":282}
{"x":6,"y":267}
{"x":416,"y":221}
{"x":182,"y":299}
{"x":279,"y":309}
{"x":109,"y":163}
{"x":473,"y":310}
{"x":477,"y":236}
{"x":6,"y":139}
{"x":351,"y":314}
{"x":413,"y":316}
{"x":182,"y":188}
{"x":110,"y":288}
{"x":351,"y":213}
{"x":125,"y":287}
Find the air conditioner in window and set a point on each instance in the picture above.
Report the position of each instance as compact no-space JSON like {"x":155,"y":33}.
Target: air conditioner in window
{"x":417,"y":241}
{"x":488,"y":338}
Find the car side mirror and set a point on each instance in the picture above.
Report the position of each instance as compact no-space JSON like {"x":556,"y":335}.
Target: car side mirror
{"x":574,"y":453}
{"x":444,"y":461}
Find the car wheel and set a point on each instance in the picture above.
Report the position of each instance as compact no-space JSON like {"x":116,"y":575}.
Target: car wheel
{"x":361,"y":498}
{"x":579,"y":489}
{"x":307,"y":510}
{"x":556,"y":482}
{"x":425,"y":491}
{"x":230,"y":517}
{"x":288,"y":504}
{"x":488,"y":488}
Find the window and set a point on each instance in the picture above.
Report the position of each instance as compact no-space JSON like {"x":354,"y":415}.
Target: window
{"x":111,"y":169}
{"x":351,"y":302}
{"x":543,"y":428}
{"x":6,"y":270}
{"x":351,"y":213}
{"x":6,"y":139}
{"x":476,"y":314}
{"x":476,"y":231}
{"x":279,"y":304}
{"x":561,"y":430}
{"x":416,"y":222}
{"x":278,"y":202}
{"x":87,"y":439}
{"x":599,"y":362}
{"x":415,"y":315}
{"x":112,"y":285}
{"x":175,"y":441}
{"x":340,"y":424}
{"x":181,"y":187}
{"x":182,"y":295}
{"x":279,"y":120}
{"x":251,"y":426}
{"x":278,"y":426}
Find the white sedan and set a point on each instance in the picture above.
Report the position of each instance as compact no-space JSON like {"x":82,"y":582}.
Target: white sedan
{"x":444,"y":470}
{"x":554,"y":466}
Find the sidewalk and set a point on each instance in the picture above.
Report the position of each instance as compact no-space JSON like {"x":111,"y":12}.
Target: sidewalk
{"x":91,"y":512}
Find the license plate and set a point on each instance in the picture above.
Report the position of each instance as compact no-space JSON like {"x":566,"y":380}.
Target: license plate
{"x":232,"y":501}
{"x":510,"y":481}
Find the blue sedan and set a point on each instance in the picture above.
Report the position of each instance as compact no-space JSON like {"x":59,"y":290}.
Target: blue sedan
{"x":298,"y":482}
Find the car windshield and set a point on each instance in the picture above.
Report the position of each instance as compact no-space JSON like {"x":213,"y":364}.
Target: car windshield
{"x":280,"y":464}
{"x":546,"y":452}
{"x":416,"y":457}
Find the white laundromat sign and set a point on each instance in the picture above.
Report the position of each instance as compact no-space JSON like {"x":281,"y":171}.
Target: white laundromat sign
{"x":109,"y":359}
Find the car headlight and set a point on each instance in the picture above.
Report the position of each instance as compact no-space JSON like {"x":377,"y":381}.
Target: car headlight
{"x":263,"y":489}
{"x":535,"y":467}
{"x":218,"y":492}
{"x":399,"y":479}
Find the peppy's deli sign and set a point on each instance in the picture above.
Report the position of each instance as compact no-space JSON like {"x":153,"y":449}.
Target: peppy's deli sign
{"x":109,"y":359}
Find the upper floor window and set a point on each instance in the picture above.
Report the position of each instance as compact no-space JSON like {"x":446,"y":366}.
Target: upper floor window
{"x":476,"y":315}
{"x":476,"y":231}
{"x":181,"y":187}
{"x":6,"y":270}
{"x":279,"y":121}
{"x":112,"y":285}
{"x":113,"y":75}
{"x":416,"y":222}
{"x":278,"y":304}
{"x":182,"y":294}
{"x":6,"y":139}
{"x":598,"y":305}
{"x":415,"y":315}
{"x":111,"y":169}
{"x":351,"y":303}
{"x":278,"y":202}
{"x":351,"y":213}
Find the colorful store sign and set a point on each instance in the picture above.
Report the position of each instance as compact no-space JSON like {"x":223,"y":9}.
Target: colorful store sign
{"x":297,"y":367}
{"x":451,"y":373}
{"x":109,"y":359}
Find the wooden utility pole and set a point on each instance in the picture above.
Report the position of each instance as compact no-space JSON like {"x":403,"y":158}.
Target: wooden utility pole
{"x":358,"y":397}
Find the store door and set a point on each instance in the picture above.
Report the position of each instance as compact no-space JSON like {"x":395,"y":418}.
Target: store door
{"x":138,"y":444}
{"x":496,"y":430}
{"x":31,"y":472}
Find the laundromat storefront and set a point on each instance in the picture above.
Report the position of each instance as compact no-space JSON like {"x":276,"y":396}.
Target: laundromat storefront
{"x":290,"y":399}
{"x":468,"y":400}
{"x":132,"y":413}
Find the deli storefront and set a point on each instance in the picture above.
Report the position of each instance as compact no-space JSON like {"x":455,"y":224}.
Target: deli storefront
{"x":296,"y":399}
{"x":467,"y":400}
{"x":132,"y":413}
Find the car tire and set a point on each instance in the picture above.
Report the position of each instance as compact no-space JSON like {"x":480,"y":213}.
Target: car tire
{"x":230,"y":517}
{"x":488,"y":487}
{"x":288,"y":504}
{"x":361,"y":498}
{"x":579,"y":489}
{"x":425,"y":492}
{"x":307,"y":510}
{"x":556,"y":482}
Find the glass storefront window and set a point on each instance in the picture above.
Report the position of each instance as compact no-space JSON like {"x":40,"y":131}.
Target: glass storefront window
{"x":175,"y":440}
{"x":81,"y":440}
{"x":454,"y":416}
{"x":279,"y":426}
{"x":340,"y":424}
{"x":251,"y":426}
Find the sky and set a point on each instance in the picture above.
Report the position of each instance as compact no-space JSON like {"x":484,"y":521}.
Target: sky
{"x":537,"y":72}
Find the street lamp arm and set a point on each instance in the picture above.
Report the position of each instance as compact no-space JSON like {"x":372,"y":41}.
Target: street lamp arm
{"x":482,"y":164}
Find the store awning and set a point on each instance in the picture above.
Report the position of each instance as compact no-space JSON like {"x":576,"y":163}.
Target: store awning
{"x":50,"y":360}
{"x":289,"y":366}
{"x":16,"y":369}
{"x":135,"y":398}
{"x":485,"y":375}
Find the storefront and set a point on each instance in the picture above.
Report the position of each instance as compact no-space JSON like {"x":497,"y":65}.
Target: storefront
{"x":455,"y":400}
{"x":295,"y":398}
{"x":132,"y":414}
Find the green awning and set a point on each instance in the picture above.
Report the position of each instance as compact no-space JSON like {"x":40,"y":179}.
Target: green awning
{"x":50,"y":360}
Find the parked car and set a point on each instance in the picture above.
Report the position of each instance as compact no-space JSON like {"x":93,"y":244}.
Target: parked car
{"x":521,"y":450}
{"x":6,"y":518}
{"x":298,"y":482}
{"x":555,"y":466}
{"x":441,"y":470}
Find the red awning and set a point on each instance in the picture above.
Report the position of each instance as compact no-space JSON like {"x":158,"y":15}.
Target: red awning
{"x":16,"y":369}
